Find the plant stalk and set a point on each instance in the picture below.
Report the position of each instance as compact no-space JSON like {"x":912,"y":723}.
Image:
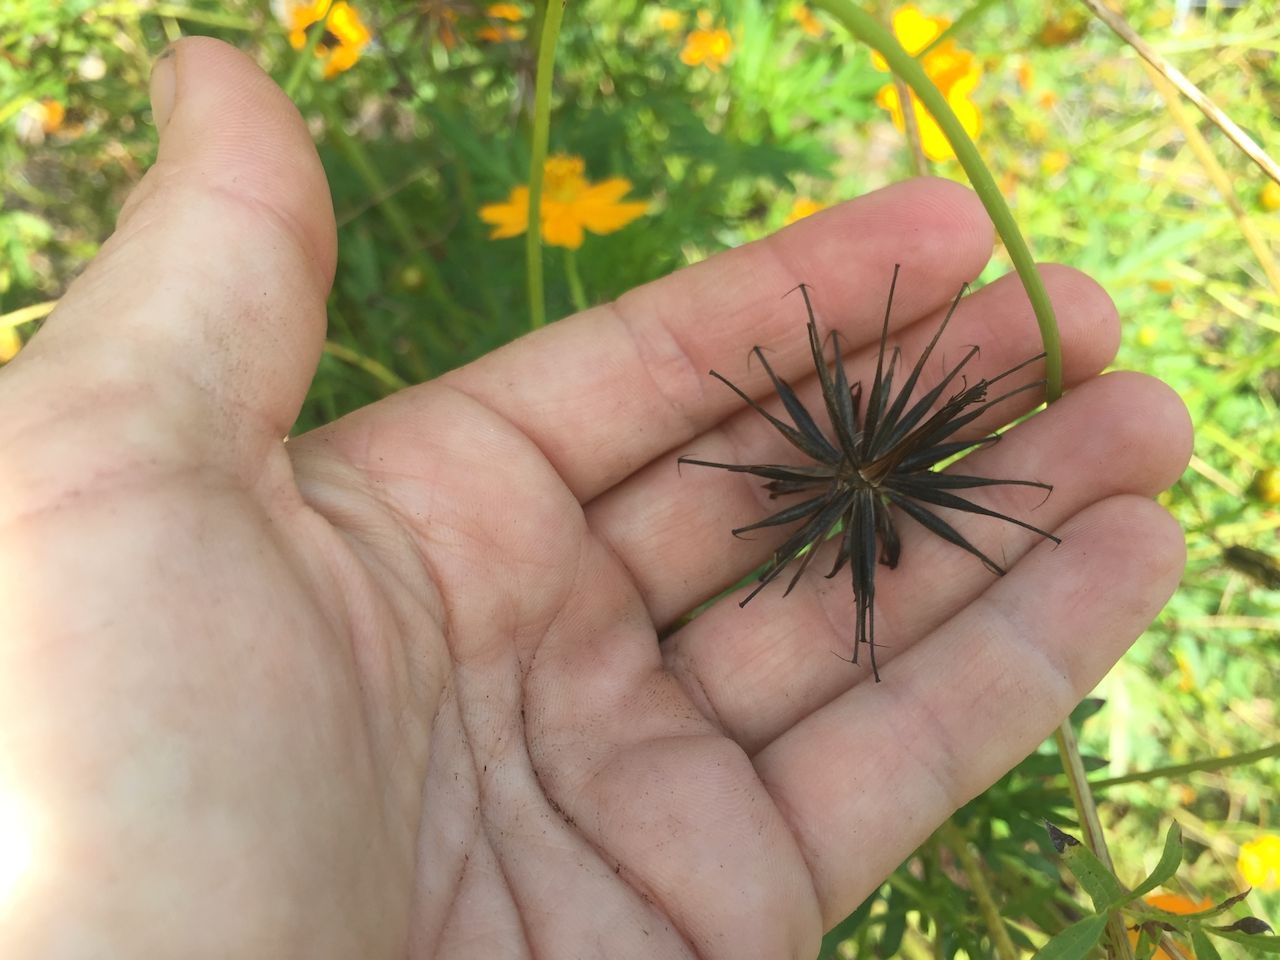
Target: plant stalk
{"x":867,"y":29}
{"x":538,"y":157}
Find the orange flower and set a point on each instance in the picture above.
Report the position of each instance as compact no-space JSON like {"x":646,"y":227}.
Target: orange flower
{"x":954,"y":72}
{"x":808,"y":22}
{"x":708,"y":46}
{"x":345,"y":35}
{"x":52,"y":113}
{"x":569,"y":205}
{"x":502,"y":32}
{"x":1172,"y":903}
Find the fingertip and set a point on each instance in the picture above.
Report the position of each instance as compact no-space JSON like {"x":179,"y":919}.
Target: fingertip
{"x":226,"y":126}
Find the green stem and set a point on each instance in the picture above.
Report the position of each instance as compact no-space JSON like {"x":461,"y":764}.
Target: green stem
{"x":305,"y":55}
{"x":1087,"y":810}
{"x":956,"y":840}
{"x":369,"y":365}
{"x":576,"y":291}
{"x":865,"y":27}
{"x":538,"y":158}
{"x":1197,"y":766}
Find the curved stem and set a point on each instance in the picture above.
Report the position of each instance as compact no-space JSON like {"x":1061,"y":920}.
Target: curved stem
{"x":865,"y":27}
{"x":541,"y":134}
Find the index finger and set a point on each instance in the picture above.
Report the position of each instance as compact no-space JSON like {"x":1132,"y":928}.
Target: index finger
{"x":606,"y":391}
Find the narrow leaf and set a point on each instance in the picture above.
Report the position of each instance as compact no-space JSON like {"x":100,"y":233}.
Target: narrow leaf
{"x":1075,"y":942}
{"x":1168,"y":865}
{"x":1255,"y":943}
{"x":1098,"y":882}
{"x":1203,"y":948}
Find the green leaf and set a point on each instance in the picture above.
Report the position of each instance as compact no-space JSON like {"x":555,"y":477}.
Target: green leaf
{"x":1203,"y":948}
{"x":1075,"y":942}
{"x":1255,"y":943}
{"x":1101,"y":884}
{"x":1170,"y":860}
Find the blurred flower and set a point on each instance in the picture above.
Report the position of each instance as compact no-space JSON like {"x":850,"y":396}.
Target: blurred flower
{"x":91,"y":67}
{"x":345,"y":35}
{"x":1259,"y":862}
{"x":1177,"y":903}
{"x":1054,"y":162}
{"x":671,"y":20}
{"x":954,"y":72}
{"x":803,"y":207}
{"x":513,"y":29}
{"x":569,"y":205}
{"x":38,"y":119}
{"x":443,"y":22}
{"x":1269,"y":197}
{"x":1186,"y":676}
{"x":52,"y":113}
{"x":1266,"y":485}
{"x":914,"y":31}
{"x":709,"y":46}
{"x":10,"y":344}
{"x":1172,"y":903}
{"x":808,"y":22}
{"x":1025,"y":75}
{"x":1056,"y":32}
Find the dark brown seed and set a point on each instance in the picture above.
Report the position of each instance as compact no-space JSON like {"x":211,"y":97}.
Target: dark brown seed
{"x":870,"y":462}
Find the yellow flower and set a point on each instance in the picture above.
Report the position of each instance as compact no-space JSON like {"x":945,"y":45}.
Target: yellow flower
{"x":569,"y":205}
{"x":914,"y":31}
{"x":1053,"y":162}
{"x":954,"y":72}
{"x":803,"y":207}
{"x":345,"y":35}
{"x":671,"y":20}
{"x":1187,"y":676}
{"x":709,"y":46}
{"x":808,"y":22}
{"x":1259,"y":862}
{"x":1266,"y":485}
{"x":1269,"y":197}
{"x":505,"y":11}
{"x":10,"y":344}
{"x":933,"y":141}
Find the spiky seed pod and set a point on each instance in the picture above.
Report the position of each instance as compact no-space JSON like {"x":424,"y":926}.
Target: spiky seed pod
{"x":870,"y":463}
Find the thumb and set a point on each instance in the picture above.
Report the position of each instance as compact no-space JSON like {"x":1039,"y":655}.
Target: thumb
{"x":209,"y":297}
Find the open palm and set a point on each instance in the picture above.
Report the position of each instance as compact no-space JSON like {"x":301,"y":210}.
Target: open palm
{"x":396,"y":686}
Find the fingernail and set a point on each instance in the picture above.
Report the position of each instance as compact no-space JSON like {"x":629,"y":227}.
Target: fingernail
{"x":164,"y":86}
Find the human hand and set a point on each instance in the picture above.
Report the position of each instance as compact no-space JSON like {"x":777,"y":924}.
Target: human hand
{"x":395,"y":687}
